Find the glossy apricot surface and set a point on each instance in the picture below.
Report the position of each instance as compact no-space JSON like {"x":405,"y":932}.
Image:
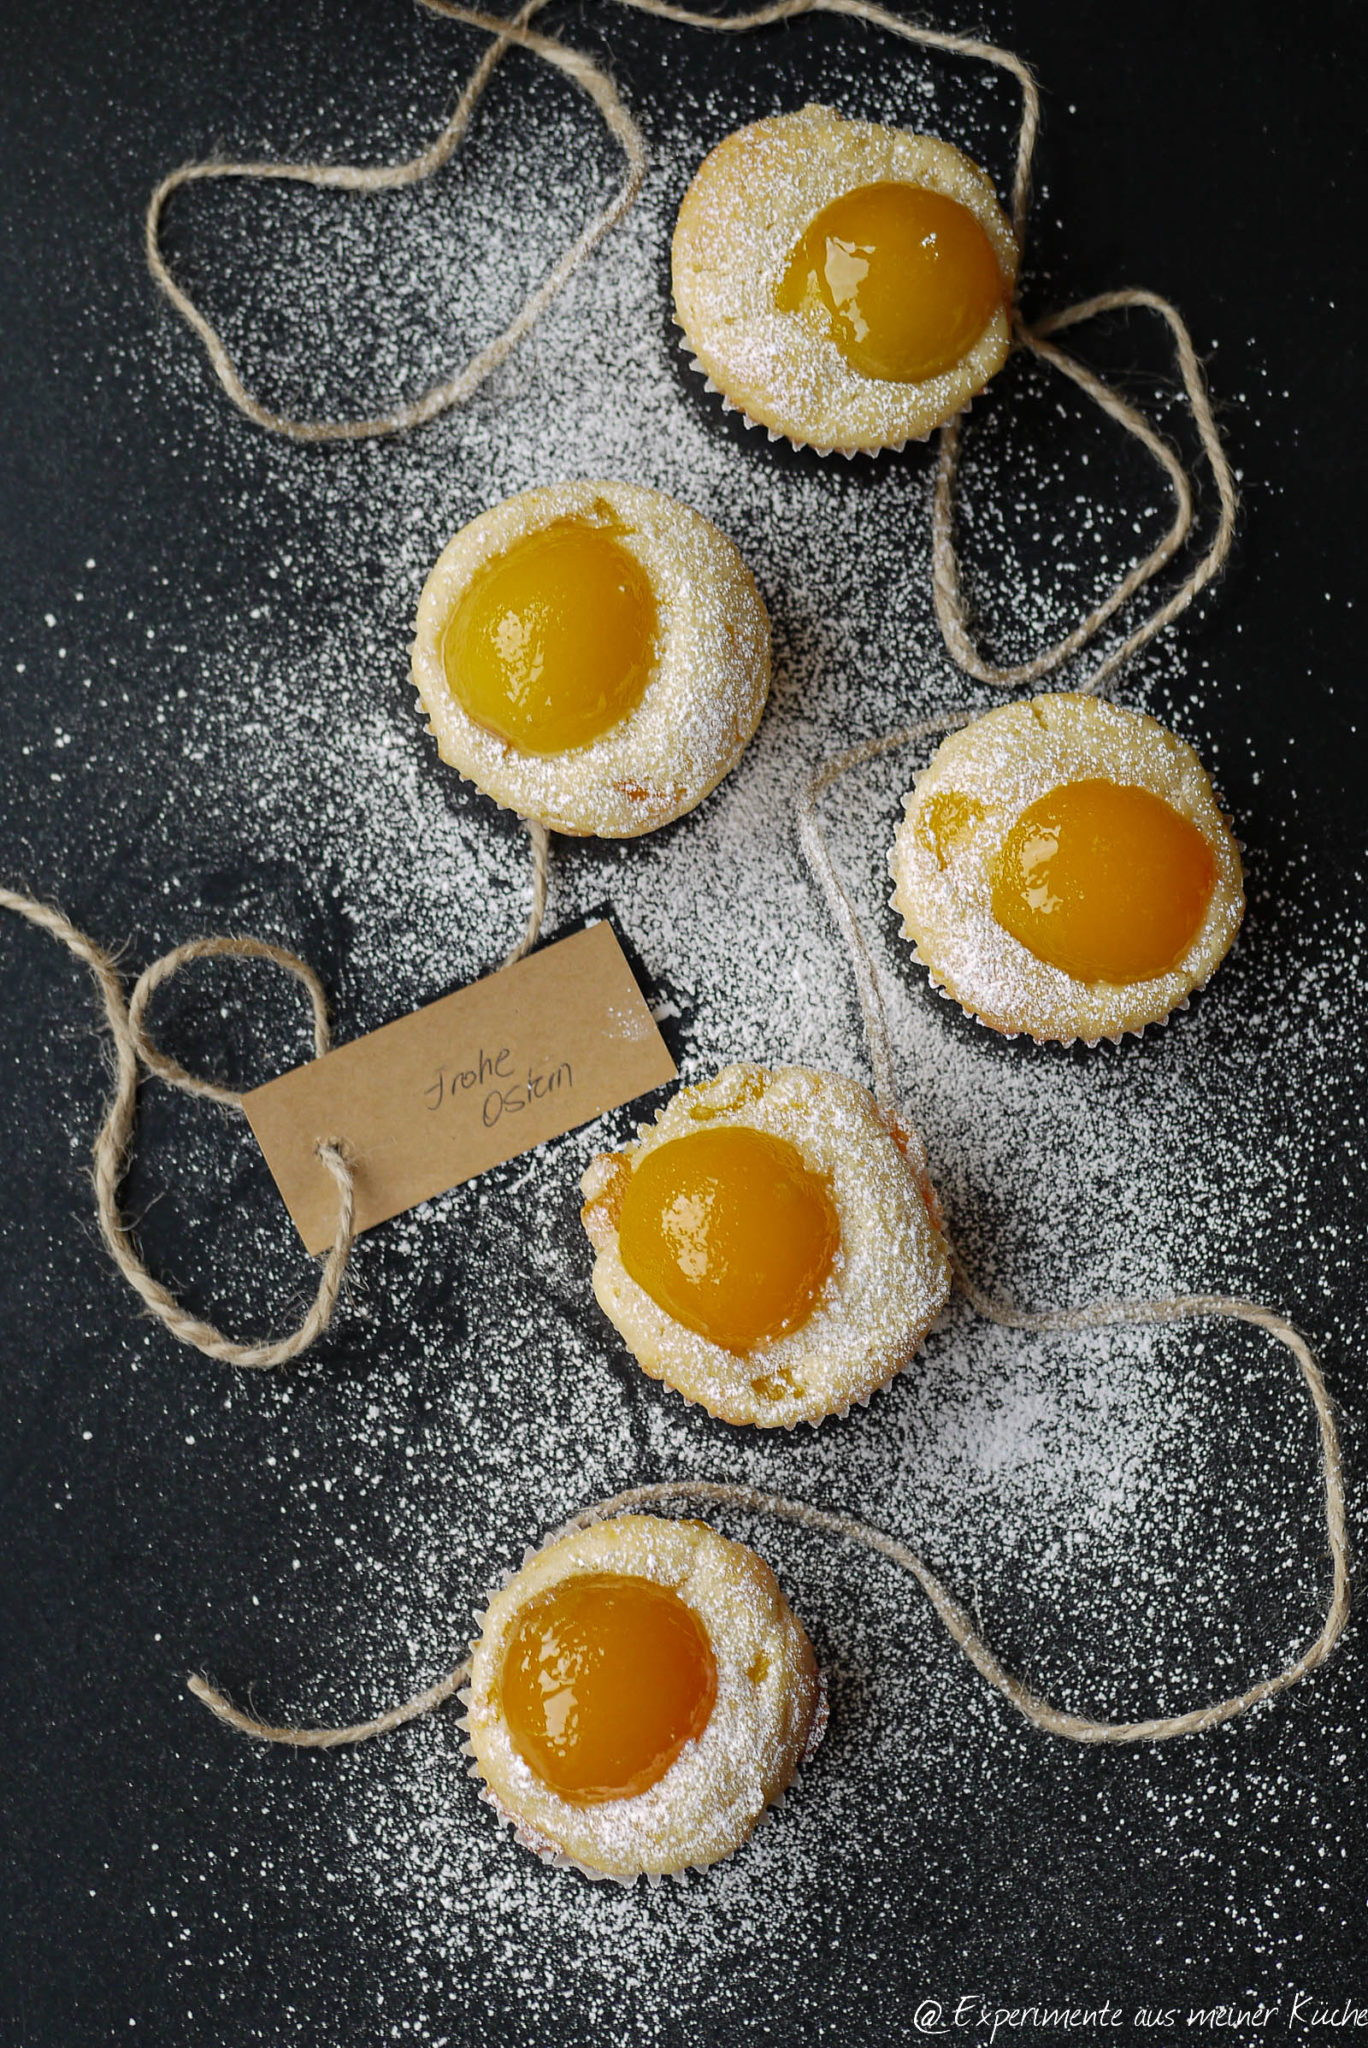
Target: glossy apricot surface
{"x":1105,"y":881}
{"x":551,"y":644}
{"x":902,"y":279}
{"x":605,"y":1678}
{"x":731,"y":1232}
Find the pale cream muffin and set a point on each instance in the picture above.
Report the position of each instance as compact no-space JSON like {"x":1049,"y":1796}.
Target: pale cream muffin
{"x":594,"y":655}
{"x":765,"y":1248}
{"x":640,"y":1692}
{"x":1064,"y":869}
{"x":843,"y":284}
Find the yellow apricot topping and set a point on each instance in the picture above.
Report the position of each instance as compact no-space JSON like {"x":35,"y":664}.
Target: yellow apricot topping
{"x":903,"y":280}
{"x":730,"y":1232}
{"x":1105,"y":881}
{"x":946,"y":819}
{"x":605,"y":1678}
{"x":551,"y":643}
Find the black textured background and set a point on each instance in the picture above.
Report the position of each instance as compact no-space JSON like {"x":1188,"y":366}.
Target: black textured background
{"x":1213,"y":153}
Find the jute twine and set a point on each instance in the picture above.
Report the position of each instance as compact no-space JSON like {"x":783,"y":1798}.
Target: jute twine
{"x":954,"y":625}
{"x":1041,"y":1713}
{"x":1090,"y":1315}
{"x":951,"y":610}
{"x":135,"y":1052}
{"x":413,"y":171}
{"x":539,"y":839}
{"x":945,"y":574}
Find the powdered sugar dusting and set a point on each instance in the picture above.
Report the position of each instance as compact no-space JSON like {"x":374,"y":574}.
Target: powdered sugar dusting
{"x":749,"y":206}
{"x":889,"y":1280}
{"x":764,"y":1719}
{"x":704,"y":691}
{"x":990,"y":771}
{"x":1133,"y":1517}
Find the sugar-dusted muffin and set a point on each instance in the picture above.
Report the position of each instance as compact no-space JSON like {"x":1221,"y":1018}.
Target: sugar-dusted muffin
{"x":1063,"y":869}
{"x":640,"y":1692}
{"x":765,"y":1248}
{"x":593,"y":655}
{"x":846,"y":285}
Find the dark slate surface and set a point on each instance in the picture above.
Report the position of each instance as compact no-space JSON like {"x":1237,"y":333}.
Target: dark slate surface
{"x":1214,"y":153}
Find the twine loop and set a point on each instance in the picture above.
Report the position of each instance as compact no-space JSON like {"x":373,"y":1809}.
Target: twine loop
{"x":951,"y":611}
{"x":1090,"y":1315}
{"x":136,"y":1053}
{"x":151,"y":979}
{"x":133,"y":1053}
{"x":507,"y":34}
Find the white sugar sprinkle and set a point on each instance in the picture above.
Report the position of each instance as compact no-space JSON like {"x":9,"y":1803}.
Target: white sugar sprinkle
{"x":1102,"y":1503}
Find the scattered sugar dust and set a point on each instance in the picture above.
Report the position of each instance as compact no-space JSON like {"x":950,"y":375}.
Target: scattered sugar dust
{"x":1134,"y":1519}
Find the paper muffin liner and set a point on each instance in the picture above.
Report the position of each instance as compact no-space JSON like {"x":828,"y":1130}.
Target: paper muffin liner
{"x":817,"y":447}
{"x":813,"y":1422}
{"x":1000,"y":1031}
{"x":1133,"y":1025}
{"x":547,"y":1851}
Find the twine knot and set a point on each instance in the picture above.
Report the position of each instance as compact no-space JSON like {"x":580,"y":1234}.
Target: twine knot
{"x":134,"y":1054}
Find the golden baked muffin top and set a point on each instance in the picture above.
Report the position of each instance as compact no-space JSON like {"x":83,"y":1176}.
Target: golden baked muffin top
{"x":1063,"y":869}
{"x":841,"y":283}
{"x":765,"y":1248}
{"x":592,"y":655}
{"x":640,"y":1692}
